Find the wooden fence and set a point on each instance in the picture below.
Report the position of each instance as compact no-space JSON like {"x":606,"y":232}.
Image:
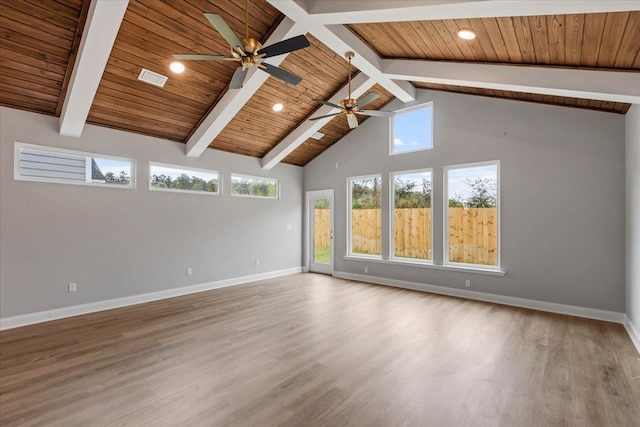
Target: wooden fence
{"x":473,"y":233}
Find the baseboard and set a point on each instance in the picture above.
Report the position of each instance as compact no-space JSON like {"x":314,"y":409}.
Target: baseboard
{"x":634,"y":334}
{"x":76,"y":310}
{"x":589,"y":313}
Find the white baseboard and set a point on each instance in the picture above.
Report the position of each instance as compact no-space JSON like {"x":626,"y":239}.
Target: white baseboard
{"x":590,"y":313}
{"x":634,"y":334}
{"x":76,"y":310}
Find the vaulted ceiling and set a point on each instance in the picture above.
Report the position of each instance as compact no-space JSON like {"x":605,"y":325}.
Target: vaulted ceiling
{"x":574,"y":54}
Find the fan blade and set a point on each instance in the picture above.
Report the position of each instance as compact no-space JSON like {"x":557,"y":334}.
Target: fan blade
{"x":203,"y":57}
{"x":322,"y":117}
{"x":377,"y":113}
{"x":282,"y":74}
{"x":352,"y":120}
{"x":285,"y":46}
{"x":321,"y":101}
{"x":221,"y":26}
{"x":367,"y":99}
{"x":238,"y":78}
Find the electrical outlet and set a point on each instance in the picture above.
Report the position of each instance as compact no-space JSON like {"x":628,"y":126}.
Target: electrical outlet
{"x":73,"y":287}
{"x":189,"y":271}
{"x":337,"y":165}
{"x":366,"y":269}
{"x":289,"y":227}
{"x":467,"y":283}
{"x":257,"y":261}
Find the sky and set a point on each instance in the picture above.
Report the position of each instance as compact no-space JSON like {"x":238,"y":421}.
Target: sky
{"x":174,"y":173}
{"x":457,"y":178}
{"x":115,"y":166}
{"x":413,"y":130}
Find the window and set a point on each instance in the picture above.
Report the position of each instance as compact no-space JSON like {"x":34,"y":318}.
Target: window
{"x":411,"y":230}
{"x":47,"y":164}
{"x":472,"y":214}
{"x":253,"y":186}
{"x":365,"y":215}
{"x":412,"y":129}
{"x":179,"y":178}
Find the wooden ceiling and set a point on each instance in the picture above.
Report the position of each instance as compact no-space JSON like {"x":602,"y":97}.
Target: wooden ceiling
{"x":40,"y":39}
{"x":599,"y":40}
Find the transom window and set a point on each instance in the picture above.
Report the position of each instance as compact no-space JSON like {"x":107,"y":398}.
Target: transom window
{"x":164,"y":177}
{"x":412,"y":129}
{"x":254,"y":186}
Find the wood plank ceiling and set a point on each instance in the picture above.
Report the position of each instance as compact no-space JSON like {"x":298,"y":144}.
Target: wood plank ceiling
{"x":40,"y":39}
{"x":607,"y":41}
{"x":38,"y":42}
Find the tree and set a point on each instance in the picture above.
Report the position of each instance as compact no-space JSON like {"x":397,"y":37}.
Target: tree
{"x":184,"y":182}
{"x":409,"y":195}
{"x":122,"y":179}
{"x":366,"y":194}
{"x":483,"y":193}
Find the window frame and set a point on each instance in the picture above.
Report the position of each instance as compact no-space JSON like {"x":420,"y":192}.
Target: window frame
{"x":350,"y":253}
{"x":392,"y":193}
{"x":88,"y":156}
{"x":392,"y":127}
{"x":251,"y":196}
{"x":445,"y":214}
{"x":185,"y":168}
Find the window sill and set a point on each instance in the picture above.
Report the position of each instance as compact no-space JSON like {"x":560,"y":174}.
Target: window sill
{"x":428,"y":265}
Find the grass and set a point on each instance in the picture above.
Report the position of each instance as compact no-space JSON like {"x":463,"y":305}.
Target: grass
{"x":321,"y":255}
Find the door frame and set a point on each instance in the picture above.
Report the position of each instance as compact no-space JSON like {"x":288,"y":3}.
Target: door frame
{"x":308,"y":255}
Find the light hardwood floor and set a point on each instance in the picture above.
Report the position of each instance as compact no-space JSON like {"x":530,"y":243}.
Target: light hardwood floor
{"x":313,"y":350}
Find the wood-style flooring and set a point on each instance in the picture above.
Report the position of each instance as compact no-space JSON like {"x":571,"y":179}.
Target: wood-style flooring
{"x":312,"y":350}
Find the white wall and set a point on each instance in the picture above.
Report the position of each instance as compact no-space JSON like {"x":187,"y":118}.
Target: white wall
{"x":114,"y":242}
{"x":562,"y":192}
{"x":632,"y":135}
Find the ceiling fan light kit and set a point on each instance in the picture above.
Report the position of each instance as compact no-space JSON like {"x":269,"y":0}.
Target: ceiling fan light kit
{"x":249,"y":52}
{"x":351,"y":107}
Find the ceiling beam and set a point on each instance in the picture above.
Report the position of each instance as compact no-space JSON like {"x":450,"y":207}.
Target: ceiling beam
{"x":339,"y":39}
{"x":610,"y":86}
{"x":233,"y":100}
{"x":356,"y":12}
{"x":359,"y":85}
{"x":100,"y":31}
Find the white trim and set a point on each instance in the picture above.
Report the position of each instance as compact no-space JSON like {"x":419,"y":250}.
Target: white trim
{"x":445,"y":214}
{"x":392,"y":128}
{"x":76,"y":310}
{"x":349,"y":215}
{"x":571,"y":310}
{"x":260,"y":178}
{"x":392,"y":222}
{"x":634,"y":334}
{"x":45,"y":148}
{"x":427,"y":264}
{"x":179,"y":168}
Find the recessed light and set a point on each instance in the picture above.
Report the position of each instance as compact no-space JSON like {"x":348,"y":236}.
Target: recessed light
{"x":277,"y":107}
{"x":177,"y":67}
{"x":466,"y":34}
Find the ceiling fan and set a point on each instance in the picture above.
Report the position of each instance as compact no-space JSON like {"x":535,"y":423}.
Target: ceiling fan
{"x":350,"y":107}
{"x":249,"y":51}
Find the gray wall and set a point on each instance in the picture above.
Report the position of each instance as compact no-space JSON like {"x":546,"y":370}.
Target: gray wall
{"x":116,"y":242}
{"x":563,"y":196}
{"x":633,"y":214}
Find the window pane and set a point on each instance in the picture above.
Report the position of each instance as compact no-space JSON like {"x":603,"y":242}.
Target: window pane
{"x":253,"y":186}
{"x":412,"y":215}
{"x":165,"y":177}
{"x":413,"y":130}
{"x":472,"y":196}
{"x":50,"y":164}
{"x":366,"y":221}
{"x":109,"y":171}
{"x":322,"y":231}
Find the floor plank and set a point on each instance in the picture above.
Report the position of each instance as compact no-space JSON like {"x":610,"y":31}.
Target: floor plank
{"x":314,"y":350}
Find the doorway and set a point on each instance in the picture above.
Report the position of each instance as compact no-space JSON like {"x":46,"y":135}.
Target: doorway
{"x":320,"y":228}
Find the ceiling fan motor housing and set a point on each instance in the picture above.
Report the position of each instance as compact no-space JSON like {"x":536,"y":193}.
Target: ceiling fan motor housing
{"x":251,"y":46}
{"x":348,"y":103}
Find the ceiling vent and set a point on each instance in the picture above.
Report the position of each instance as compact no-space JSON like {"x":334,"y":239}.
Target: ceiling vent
{"x":152,"y":78}
{"x":317,"y":135}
